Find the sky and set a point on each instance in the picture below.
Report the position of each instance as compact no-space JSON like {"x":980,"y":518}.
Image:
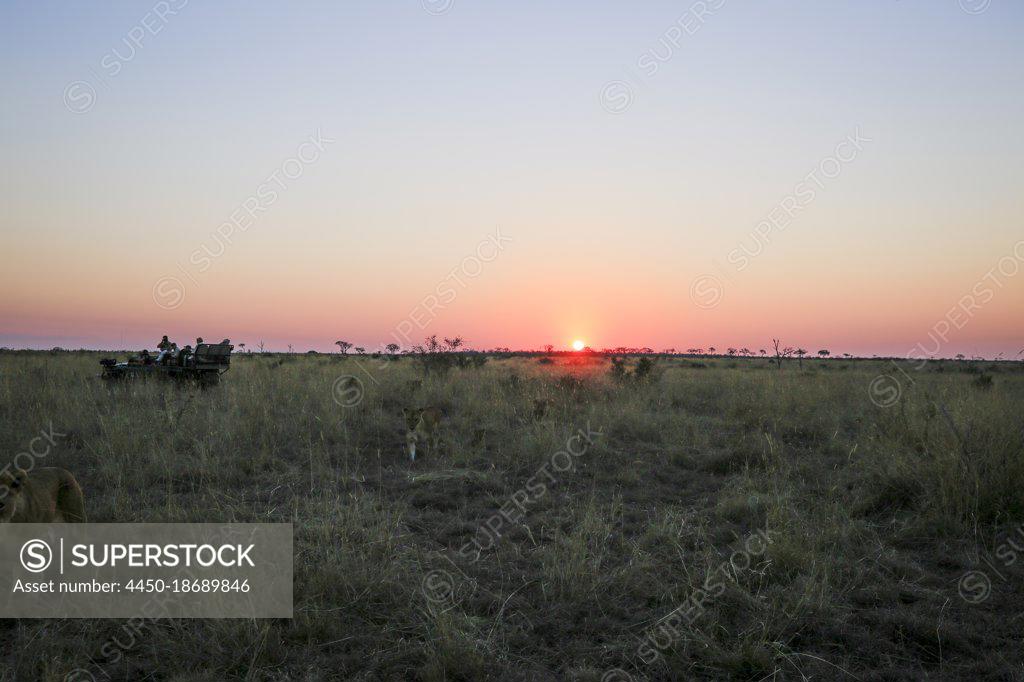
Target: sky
{"x":840,"y":175}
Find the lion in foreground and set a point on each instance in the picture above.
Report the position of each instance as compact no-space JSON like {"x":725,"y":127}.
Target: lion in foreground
{"x":422,"y":426}
{"x":49,"y":495}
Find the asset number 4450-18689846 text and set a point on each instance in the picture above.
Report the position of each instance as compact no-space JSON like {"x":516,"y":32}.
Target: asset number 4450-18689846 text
{"x":186,"y":585}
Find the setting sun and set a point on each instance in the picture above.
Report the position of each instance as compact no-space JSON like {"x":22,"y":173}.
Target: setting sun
{"x":578,"y":345}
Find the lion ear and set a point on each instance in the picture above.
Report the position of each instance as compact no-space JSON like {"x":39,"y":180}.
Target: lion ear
{"x":20,"y":475}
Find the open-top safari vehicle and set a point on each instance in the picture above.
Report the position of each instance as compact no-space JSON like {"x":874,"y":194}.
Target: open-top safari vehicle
{"x":205,"y":364}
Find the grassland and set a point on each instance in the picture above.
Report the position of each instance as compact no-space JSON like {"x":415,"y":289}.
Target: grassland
{"x":721,"y":519}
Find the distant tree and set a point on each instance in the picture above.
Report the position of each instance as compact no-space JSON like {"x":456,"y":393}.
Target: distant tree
{"x":763,"y":352}
{"x":430,"y":345}
{"x":343,"y":346}
{"x":780,"y":353}
{"x":745,"y":352}
{"x":824,"y":353}
{"x":360,"y":350}
{"x":242,"y":346}
{"x":800,"y":353}
{"x":392,"y":348}
{"x":711,"y":350}
{"x":260,"y":346}
{"x":289,"y":348}
{"x":847,"y":356}
{"x":959,"y":356}
{"x":669,"y":351}
{"x":431,"y":356}
{"x":549,"y":348}
{"x":731,"y":351}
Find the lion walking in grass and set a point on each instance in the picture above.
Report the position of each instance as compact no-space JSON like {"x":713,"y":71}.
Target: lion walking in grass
{"x":423,"y":425}
{"x":49,"y":495}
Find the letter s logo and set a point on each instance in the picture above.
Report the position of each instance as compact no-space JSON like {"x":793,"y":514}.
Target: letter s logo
{"x":36,"y":556}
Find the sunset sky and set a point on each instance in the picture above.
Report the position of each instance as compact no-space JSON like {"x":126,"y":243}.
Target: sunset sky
{"x":841,"y":175}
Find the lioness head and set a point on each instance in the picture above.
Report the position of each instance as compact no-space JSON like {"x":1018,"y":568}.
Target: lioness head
{"x":12,"y":483}
{"x":412,"y":417}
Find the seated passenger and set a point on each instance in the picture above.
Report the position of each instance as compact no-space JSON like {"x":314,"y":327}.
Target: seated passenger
{"x":166,"y":354}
